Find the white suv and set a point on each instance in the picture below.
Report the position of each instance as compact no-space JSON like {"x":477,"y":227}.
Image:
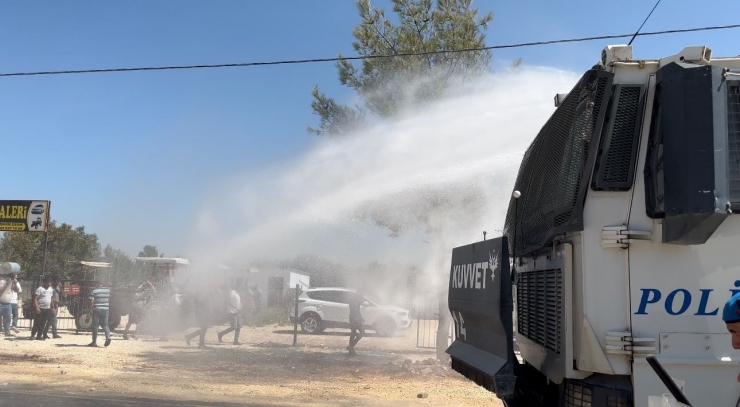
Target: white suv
{"x":321,"y":308}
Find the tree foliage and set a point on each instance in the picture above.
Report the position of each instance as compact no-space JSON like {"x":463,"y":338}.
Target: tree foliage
{"x":149,"y":251}
{"x":126,"y":270}
{"x":383,"y":83}
{"x":65,"y":244}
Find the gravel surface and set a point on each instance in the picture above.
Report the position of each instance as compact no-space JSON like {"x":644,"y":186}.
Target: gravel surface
{"x":266,"y":369}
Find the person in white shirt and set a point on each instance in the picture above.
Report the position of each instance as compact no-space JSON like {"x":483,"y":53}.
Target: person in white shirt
{"x":6,"y":294}
{"x":16,"y":288}
{"x":42,"y":300}
{"x":55,"y":302}
{"x":233,"y":307}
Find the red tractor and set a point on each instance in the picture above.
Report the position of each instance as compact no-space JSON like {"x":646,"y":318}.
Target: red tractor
{"x":76,"y":295}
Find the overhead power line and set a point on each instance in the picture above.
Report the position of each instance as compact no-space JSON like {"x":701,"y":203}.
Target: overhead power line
{"x":362,"y":57}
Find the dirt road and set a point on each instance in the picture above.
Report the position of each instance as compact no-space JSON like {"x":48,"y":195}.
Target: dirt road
{"x":266,"y":370}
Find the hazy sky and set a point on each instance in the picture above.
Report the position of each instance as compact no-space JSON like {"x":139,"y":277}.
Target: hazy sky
{"x":132,"y":156}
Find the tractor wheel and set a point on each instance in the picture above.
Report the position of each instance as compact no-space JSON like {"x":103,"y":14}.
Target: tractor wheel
{"x":114,"y":321}
{"x":83,"y":322}
{"x":151,"y":318}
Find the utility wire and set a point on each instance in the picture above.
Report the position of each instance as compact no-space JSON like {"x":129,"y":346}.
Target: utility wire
{"x":643,"y":23}
{"x":363,"y":57}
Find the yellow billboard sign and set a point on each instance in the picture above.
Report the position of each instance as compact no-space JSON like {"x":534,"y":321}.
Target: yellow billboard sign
{"x":24,"y":216}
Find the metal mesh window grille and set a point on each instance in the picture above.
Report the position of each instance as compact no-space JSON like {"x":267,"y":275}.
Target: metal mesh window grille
{"x":617,"y":401}
{"x":555,"y":170}
{"x":580,"y":394}
{"x":540,"y":307}
{"x":733,"y":140}
{"x":577,"y":395}
{"x":615,"y":167}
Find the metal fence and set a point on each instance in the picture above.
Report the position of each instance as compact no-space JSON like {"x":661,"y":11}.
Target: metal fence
{"x":426,"y":313}
{"x":73,"y":295}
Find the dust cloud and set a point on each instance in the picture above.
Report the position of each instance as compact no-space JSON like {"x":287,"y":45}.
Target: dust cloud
{"x":405,"y":191}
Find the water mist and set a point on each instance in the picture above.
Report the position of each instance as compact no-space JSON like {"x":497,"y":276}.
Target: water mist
{"x":406,"y":190}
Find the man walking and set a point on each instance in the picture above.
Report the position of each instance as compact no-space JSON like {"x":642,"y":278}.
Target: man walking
{"x":99,"y":302}
{"x":42,"y":299}
{"x":201,"y":294}
{"x":203,"y":316}
{"x":356,"y":322}
{"x":6,"y":296}
{"x":234,"y":306}
{"x":731,"y":316}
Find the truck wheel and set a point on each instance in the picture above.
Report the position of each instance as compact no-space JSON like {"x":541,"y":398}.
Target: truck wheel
{"x":83,"y":322}
{"x":385,"y":327}
{"x":311,"y":323}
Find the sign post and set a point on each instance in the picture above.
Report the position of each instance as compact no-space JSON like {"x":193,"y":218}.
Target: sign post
{"x":295,"y":320}
{"x":46,"y":247}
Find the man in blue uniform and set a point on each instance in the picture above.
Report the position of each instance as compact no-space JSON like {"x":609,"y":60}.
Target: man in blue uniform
{"x":731,"y":316}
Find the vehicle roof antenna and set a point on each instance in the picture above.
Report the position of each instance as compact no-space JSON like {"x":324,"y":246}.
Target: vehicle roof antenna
{"x":643,"y":23}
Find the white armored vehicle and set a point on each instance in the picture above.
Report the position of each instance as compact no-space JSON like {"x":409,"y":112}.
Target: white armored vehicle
{"x":623,"y":240}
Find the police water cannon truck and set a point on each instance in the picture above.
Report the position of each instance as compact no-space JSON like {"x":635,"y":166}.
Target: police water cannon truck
{"x":621,"y":244}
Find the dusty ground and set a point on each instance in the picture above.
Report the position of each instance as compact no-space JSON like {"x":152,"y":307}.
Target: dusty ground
{"x":265,"y":370}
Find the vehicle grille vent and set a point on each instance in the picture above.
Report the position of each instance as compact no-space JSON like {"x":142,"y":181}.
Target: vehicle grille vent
{"x":556,"y":168}
{"x":583,"y":394}
{"x":540,"y":307}
{"x":733,"y":140}
{"x":615,"y":167}
{"x":577,"y":395}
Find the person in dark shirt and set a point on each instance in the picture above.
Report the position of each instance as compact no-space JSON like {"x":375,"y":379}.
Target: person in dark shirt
{"x":356,"y":323}
{"x":202,"y":307}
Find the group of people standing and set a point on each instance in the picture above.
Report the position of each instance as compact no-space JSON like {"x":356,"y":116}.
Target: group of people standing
{"x":45,"y":307}
{"x":45,"y":303}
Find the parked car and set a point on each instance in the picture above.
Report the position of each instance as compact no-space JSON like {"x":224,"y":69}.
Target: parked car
{"x":322,"y":308}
